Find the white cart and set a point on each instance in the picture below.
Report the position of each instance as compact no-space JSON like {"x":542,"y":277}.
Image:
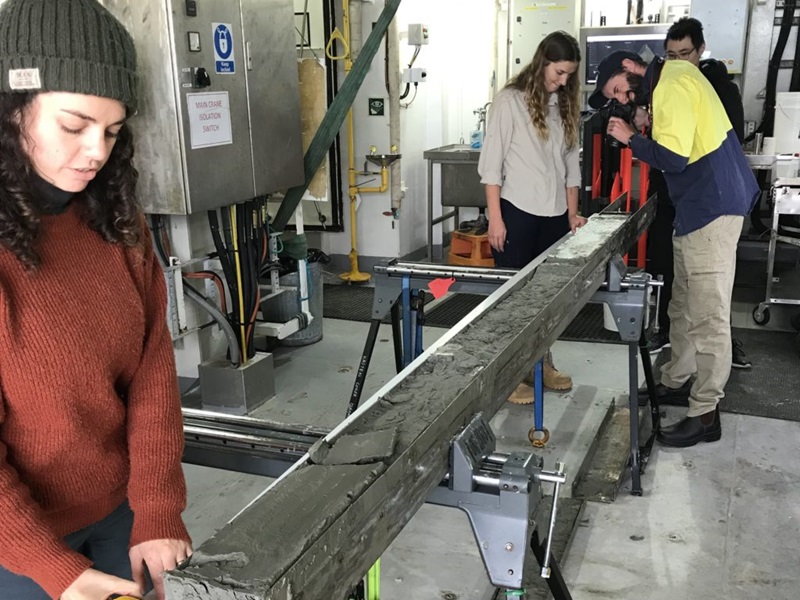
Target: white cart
{"x":786,"y":201}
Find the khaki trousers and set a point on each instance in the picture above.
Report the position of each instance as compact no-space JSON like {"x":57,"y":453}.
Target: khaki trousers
{"x":700,"y":334}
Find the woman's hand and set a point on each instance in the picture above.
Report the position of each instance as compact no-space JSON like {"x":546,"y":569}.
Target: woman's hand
{"x":94,"y":585}
{"x":497,"y":234}
{"x":158,"y":556}
{"x":576,"y":222}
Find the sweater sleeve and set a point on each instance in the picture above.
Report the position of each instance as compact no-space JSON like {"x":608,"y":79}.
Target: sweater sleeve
{"x":27,"y":544}
{"x":156,"y":488}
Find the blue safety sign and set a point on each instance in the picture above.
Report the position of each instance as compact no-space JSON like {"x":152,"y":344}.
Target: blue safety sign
{"x":223,"y":49}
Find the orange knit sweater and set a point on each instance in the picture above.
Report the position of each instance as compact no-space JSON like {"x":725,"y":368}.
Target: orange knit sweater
{"x":89,"y":406}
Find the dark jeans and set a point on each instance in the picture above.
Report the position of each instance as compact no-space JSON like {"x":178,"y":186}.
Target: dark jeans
{"x":527,"y":235}
{"x":105,"y":543}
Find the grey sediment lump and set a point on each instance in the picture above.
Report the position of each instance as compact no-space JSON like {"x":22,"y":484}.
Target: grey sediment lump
{"x":319,"y":529}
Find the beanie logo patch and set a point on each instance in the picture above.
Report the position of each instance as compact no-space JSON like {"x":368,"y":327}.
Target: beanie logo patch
{"x":24,"y":79}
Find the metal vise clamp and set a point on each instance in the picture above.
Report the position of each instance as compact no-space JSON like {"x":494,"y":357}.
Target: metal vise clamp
{"x":499,"y":493}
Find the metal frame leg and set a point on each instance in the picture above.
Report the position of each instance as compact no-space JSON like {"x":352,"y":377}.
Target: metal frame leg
{"x":397,"y":337}
{"x":406,"y":301}
{"x":650,"y":381}
{"x":633,"y":376}
{"x":556,"y":583}
{"x":420,"y":322}
{"x":363,"y":366}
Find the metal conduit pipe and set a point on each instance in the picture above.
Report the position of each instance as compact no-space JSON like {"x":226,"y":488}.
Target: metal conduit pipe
{"x":216,"y":314}
{"x":355,"y":29}
{"x":393,"y":61}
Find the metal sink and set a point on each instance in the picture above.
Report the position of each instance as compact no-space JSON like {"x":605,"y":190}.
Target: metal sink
{"x":382,"y":160}
{"x":460,"y":182}
{"x":453,"y":152}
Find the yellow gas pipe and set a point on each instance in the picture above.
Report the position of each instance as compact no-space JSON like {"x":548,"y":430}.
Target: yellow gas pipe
{"x":354,"y":275}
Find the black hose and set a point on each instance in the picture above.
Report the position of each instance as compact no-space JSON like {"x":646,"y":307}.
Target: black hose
{"x":794,"y":85}
{"x":222,"y":253}
{"x":216,"y":314}
{"x":243,"y":221}
{"x":767,"y":126}
{"x":233,"y":282}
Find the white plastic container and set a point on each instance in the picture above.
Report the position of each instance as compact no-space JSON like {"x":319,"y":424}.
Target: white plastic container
{"x":787,"y":123}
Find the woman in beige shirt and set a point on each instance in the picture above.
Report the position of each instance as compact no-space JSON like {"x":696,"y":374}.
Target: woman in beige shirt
{"x":529,"y":166}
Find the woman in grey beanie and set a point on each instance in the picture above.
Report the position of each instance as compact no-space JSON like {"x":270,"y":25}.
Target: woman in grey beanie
{"x":91,"y":438}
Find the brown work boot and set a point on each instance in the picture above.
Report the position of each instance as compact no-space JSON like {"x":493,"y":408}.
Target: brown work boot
{"x":522,"y":395}
{"x":553,"y":379}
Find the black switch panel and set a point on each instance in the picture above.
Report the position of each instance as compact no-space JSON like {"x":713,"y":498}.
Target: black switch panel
{"x":191,"y":8}
{"x":201,"y":78}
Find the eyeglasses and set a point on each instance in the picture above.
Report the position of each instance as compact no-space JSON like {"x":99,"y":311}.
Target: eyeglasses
{"x":682,"y":55}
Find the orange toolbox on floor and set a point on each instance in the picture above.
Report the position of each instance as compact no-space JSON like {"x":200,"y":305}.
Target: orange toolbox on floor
{"x":470,"y":250}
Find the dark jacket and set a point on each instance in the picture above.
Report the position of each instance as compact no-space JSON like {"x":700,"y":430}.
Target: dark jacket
{"x":728,"y":92}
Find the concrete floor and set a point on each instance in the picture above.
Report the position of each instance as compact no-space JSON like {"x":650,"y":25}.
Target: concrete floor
{"x":718,"y":521}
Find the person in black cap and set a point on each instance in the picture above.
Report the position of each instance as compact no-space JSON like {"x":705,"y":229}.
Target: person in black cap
{"x":712,"y":189}
{"x":91,"y":437}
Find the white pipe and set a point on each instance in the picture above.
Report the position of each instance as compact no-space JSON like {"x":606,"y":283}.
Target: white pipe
{"x":355,"y":29}
{"x":302,"y":266}
{"x":396,"y":178}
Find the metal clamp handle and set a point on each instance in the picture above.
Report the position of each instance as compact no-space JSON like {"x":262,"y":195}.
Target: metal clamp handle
{"x":556,"y":477}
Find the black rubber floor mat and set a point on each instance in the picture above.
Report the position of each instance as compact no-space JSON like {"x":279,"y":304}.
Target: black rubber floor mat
{"x":351,"y":303}
{"x":348,"y":302}
{"x":771,"y":388}
{"x":452,"y":310}
{"x":588,"y":327}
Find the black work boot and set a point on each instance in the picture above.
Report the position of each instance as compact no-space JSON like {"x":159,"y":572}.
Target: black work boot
{"x":739,"y":359}
{"x":691,"y":430}
{"x":667,"y":396}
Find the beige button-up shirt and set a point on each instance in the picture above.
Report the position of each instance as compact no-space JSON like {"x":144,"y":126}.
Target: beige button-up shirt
{"x":533,"y":174}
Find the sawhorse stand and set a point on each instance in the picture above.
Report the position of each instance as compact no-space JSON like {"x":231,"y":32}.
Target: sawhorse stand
{"x":627,"y":298}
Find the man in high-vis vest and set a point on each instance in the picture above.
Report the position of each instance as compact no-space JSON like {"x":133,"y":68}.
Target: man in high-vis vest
{"x":712,"y":188}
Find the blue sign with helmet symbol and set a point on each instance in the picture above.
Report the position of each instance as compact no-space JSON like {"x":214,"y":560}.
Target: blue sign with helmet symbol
{"x":223,"y":49}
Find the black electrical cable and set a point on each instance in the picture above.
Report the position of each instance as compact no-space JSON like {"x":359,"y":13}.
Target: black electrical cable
{"x":156,"y":229}
{"x":233,"y":282}
{"x":222,"y":253}
{"x":193,"y":294}
{"x":255,"y":267}
{"x":767,"y":126}
{"x":794,"y":85}
{"x":249,"y":267}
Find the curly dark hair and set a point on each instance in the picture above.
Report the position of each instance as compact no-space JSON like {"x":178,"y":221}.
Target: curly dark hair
{"x":109,"y":201}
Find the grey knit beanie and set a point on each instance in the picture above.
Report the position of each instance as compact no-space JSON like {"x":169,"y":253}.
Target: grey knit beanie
{"x":66,"y":46}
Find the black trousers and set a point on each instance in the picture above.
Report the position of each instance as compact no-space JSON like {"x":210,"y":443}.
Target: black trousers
{"x":659,"y":254}
{"x":527,"y":235}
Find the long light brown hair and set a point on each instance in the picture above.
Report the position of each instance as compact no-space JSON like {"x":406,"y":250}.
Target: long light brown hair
{"x":556,"y":47}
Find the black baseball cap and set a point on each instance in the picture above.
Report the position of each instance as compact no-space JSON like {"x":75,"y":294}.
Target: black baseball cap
{"x":607,"y":67}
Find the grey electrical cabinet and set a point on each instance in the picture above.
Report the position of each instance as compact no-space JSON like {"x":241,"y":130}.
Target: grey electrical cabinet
{"x":219,"y":116}
{"x":529,"y":21}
